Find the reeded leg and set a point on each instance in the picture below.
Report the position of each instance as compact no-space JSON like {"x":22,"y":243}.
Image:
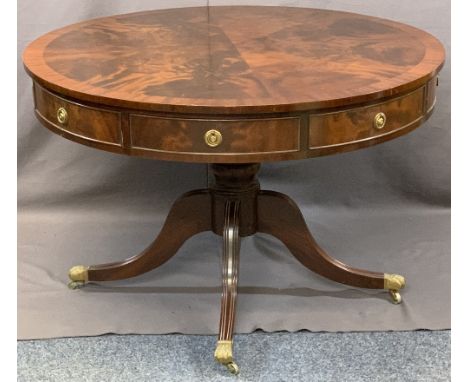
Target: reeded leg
{"x":189,"y":215}
{"x":279,"y":216}
{"x":223,"y":352}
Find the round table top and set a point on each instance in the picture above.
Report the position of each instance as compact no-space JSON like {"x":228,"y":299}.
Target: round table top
{"x":234,"y":60}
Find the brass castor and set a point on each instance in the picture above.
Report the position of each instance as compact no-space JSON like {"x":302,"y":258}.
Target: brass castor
{"x":396,"y":296}
{"x":394,"y":283}
{"x":223,"y":355}
{"x":78,"y":276}
{"x":233,"y":368}
{"x":76,"y":284}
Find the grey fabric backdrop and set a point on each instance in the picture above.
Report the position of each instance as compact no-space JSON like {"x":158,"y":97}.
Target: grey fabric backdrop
{"x":385,"y":208}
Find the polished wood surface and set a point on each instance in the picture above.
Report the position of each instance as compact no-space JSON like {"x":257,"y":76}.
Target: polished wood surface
{"x":85,"y":122}
{"x":279,"y":216}
{"x":184,"y":135}
{"x":232,"y":207}
{"x":237,"y":181}
{"x":231,"y":249}
{"x":277,"y":83}
{"x":244,"y":139}
{"x":193,"y":209}
{"x":234,"y":59}
{"x":337,"y":130}
{"x":274,"y":214}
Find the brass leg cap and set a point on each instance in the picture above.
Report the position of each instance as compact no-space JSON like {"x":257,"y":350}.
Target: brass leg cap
{"x":223,"y":352}
{"x":78,"y":276}
{"x":223,"y":355}
{"x":78,"y":273}
{"x":394,"y":282}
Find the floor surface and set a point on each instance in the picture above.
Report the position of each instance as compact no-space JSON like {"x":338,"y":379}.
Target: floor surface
{"x":303,"y":356}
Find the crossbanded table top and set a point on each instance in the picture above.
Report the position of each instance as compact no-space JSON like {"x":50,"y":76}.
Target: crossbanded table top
{"x":237,"y":59}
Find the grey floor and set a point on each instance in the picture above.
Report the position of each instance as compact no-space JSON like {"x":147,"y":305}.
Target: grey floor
{"x":302,"y":356}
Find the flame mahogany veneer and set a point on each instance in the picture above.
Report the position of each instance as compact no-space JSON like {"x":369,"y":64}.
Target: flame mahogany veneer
{"x":278,"y":83}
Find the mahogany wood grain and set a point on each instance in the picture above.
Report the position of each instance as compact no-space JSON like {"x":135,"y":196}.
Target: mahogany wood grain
{"x":234,"y":59}
{"x":230,"y":275}
{"x":245,"y":140}
{"x":228,"y":209}
{"x":241,"y":136}
{"x":278,"y":83}
{"x":85,"y":122}
{"x":189,"y":215}
{"x":356,"y":125}
{"x":235,"y":182}
{"x":279,"y":216}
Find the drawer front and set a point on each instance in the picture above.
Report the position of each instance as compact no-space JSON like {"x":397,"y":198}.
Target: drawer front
{"x":360,"y":124}
{"x":82,"y":121}
{"x":248,"y":136}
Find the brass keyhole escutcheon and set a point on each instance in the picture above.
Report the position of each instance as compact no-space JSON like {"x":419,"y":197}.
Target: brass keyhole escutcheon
{"x":213,"y":138}
{"x":379,"y":120}
{"x":62,"y":115}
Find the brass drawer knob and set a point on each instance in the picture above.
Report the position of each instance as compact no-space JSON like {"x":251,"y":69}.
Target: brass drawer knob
{"x":213,"y":138}
{"x":379,"y":120}
{"x":62,"y":115}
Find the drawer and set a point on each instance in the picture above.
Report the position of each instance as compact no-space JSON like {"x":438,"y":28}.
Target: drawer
{"x":79,"y":120}
{"x":359,"y":124}
{"x":247,"y":136}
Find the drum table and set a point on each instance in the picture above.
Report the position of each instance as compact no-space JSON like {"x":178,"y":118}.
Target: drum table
{"x":234,"y":87}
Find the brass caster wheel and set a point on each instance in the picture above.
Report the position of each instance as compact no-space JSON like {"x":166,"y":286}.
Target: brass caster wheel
{"x":76,"y":284}
{"x":233,"y":368}
{"x":223,"y":354}
{"x":396,"y":296}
